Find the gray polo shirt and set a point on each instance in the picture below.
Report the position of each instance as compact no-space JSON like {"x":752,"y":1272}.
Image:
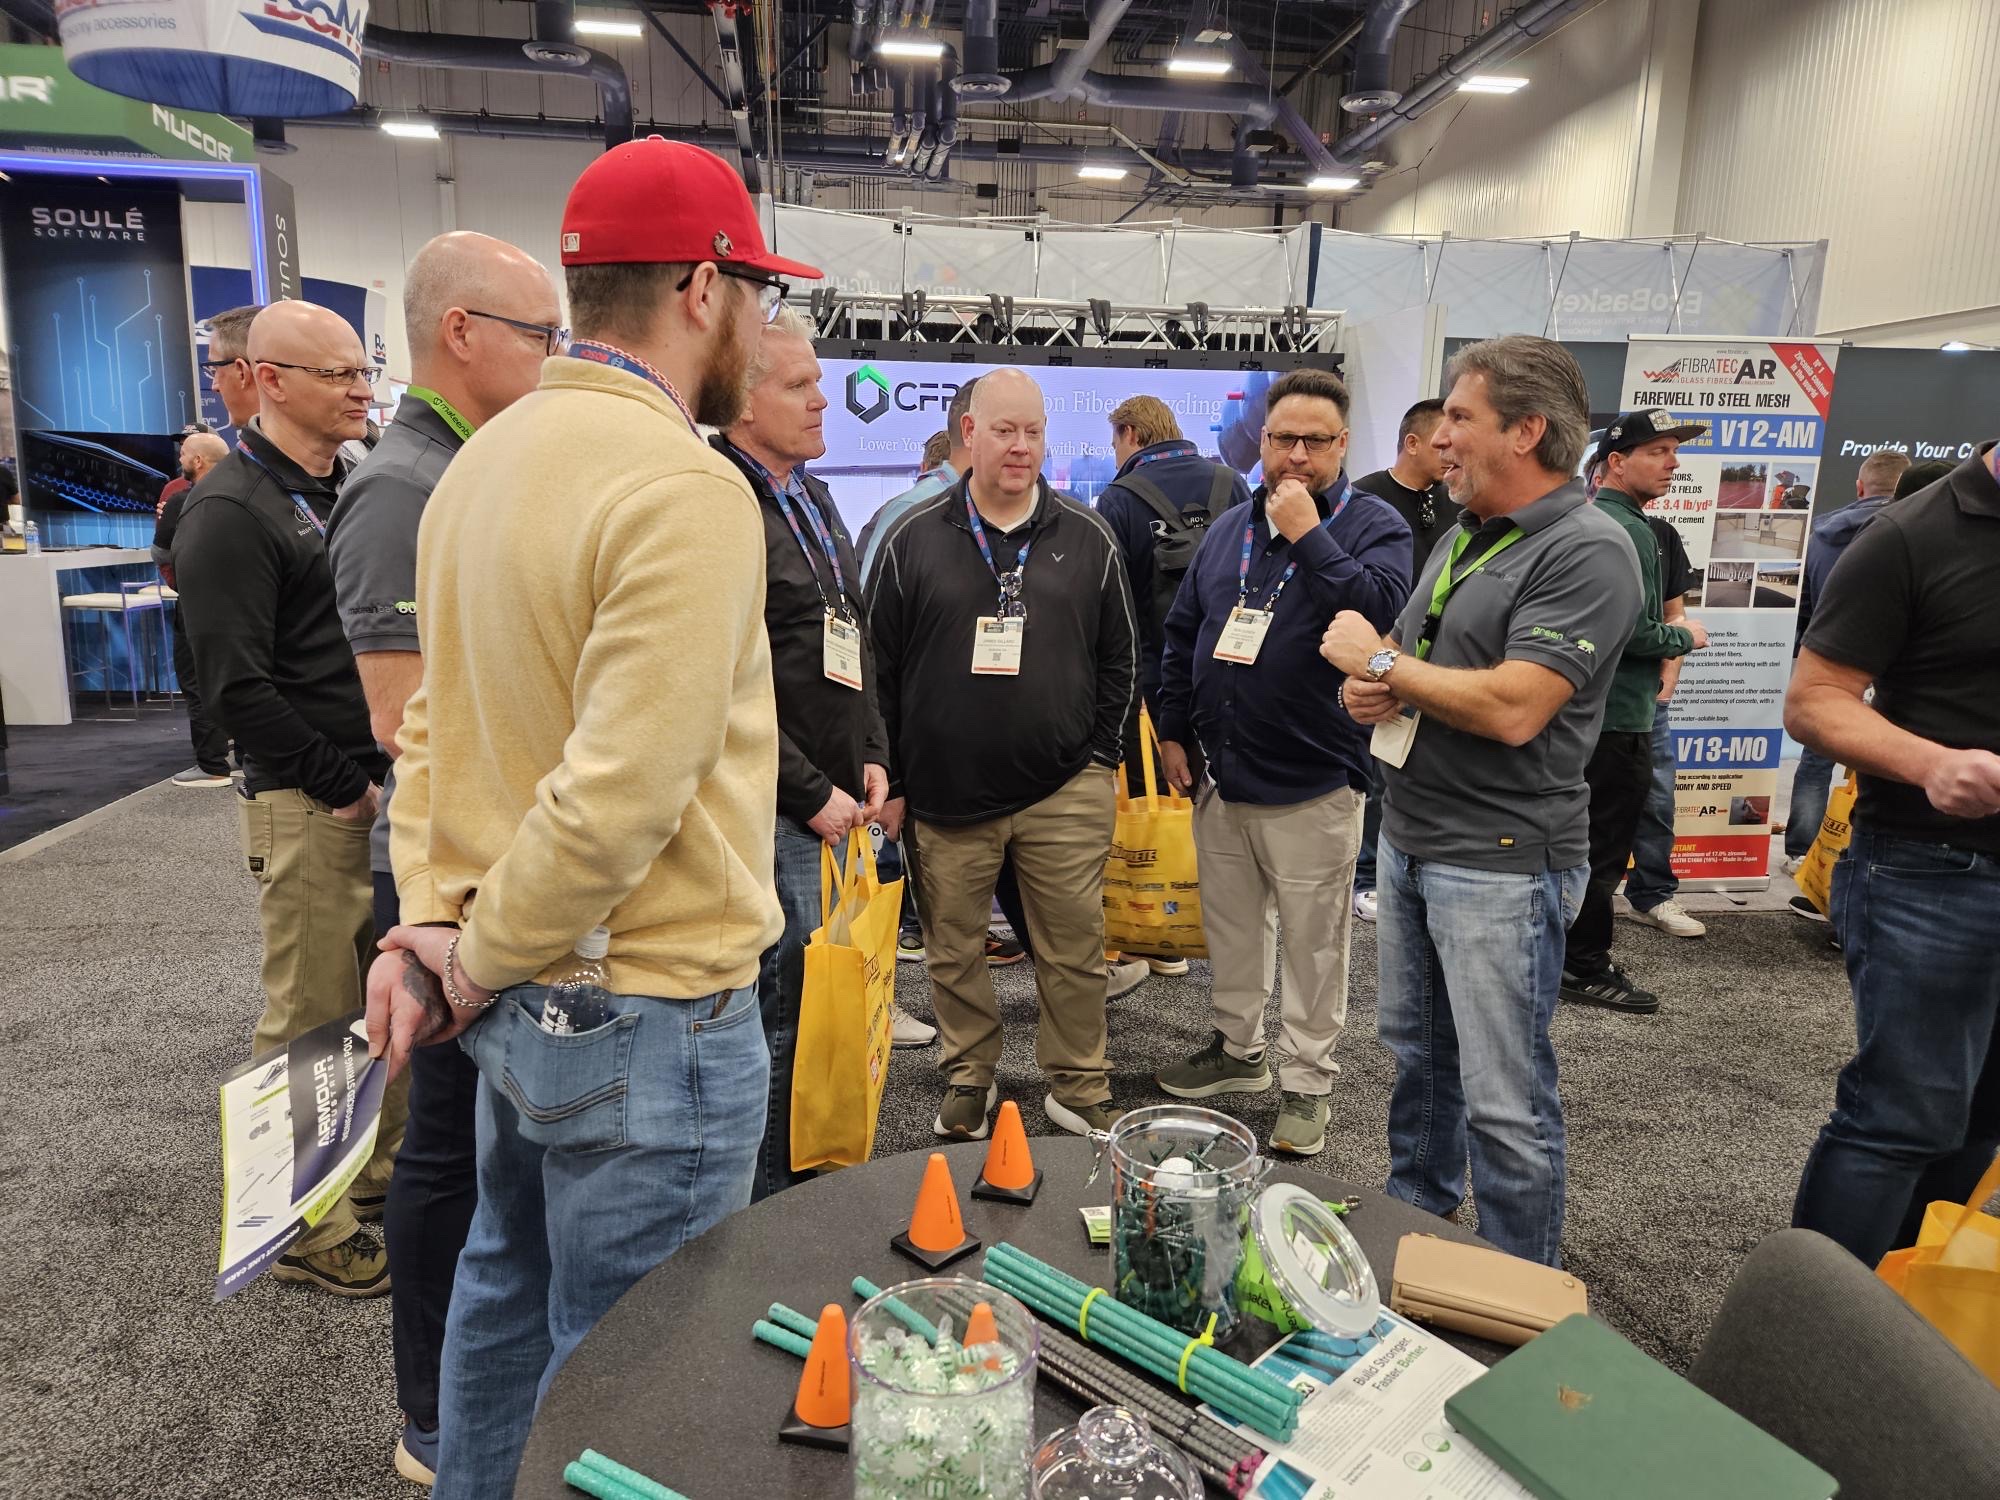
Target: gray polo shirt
{"x":1565,"y":596}
{"x":371,"y":542}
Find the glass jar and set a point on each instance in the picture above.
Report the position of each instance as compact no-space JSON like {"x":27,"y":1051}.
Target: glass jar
{"x":933,"y":1419}
{"x":1112,"y":1455}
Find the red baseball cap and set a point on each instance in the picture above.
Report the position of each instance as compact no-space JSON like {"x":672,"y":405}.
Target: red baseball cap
{"x":658,"y":202}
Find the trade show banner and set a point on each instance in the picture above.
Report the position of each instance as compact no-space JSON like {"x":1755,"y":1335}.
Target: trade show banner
{"x":1742,"y":504}
{"x":297,"y":58}
{"x":45,"y":106}
{"x":1928,"y":403}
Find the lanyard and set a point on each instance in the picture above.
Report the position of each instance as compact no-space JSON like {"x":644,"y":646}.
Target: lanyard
{"x":447,"y":413}
{"x":1011,"y":606}
{"x":1179,"y":450}
{"x":1250,"y":536}
{"x":631,"y":364}
{"x":827,"y":544}
{"x":1448,"y":582}
{"x":298,"y":500}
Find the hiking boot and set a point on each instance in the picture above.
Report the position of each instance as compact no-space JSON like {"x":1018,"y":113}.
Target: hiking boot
{"x":417,"y":1454}
{"x":905,"y":1030}
{"x":1301,"y":1127}
{"x":368,"y":1207}
{"x":1171,"y":968}
{"x":1671,"y":918}
{"x":1081,"y":1119}
{"x":1213,"y":1071}
{"x":962,"y":1116}
{"x":1002,"y":951}
{"x":1611,"y":989}
{"x":357,"y":1267}
{"x":1124,"y":977}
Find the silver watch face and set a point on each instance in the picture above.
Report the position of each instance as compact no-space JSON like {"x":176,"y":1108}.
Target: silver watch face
{"x":1380,"y":662}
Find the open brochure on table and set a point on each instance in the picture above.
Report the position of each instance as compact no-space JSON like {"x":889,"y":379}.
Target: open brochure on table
{"x":1373,"y":1427}
{"x":298,"y":1125}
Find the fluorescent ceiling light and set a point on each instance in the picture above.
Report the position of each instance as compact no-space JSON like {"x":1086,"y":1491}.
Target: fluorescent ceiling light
{"x":1101,"y":174}
{"x":1332,"y":184}
{"x":610,"y":28}
{"x":909,"y":47}
{"x":410,"y":130}
{"x":1491,"y":83}
{"x":1199,"y":65}
{"x":1956,"y":346}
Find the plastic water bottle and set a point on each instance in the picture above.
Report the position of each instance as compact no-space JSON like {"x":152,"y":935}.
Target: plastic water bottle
{"x":34,"y":536}
{"x":578,"y":994}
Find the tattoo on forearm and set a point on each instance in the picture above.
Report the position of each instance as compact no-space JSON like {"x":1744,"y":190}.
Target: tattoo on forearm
{"x":423,"y":984}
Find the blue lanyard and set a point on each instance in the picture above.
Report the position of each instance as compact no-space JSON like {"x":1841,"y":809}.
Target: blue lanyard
{"x":1011,"y":604}
{"x":298,"y":500}
{"x":1250,"y":535}
{"x":631,"y":364}
{"x":1180,"y":450}
{"x":820,"y":530}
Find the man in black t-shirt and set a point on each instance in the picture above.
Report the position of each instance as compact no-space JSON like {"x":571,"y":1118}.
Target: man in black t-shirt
{"x":1911,"y":607}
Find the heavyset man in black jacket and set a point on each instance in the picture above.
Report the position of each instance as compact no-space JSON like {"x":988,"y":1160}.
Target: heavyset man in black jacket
{"x":1005,"y":642}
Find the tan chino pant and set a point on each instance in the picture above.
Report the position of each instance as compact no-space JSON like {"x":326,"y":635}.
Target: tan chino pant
{"x":1059,"y":847}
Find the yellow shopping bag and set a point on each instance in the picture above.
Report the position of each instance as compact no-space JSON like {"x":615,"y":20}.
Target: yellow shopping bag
{"x":1152,"y":898}
{"x":1815,"y":873}
{"x":1952,"y":1274}
{"x":843,"y":1048}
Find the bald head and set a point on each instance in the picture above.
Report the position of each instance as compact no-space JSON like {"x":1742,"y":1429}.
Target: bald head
{"x":200,"y":452}
{"x":313,"y":386}
{"x":304,"y":333}
{"x":478,"y":313}
{"x":1006,"y":437}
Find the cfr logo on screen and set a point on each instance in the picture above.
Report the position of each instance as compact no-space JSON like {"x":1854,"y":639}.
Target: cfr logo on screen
{"x":867,"y":393}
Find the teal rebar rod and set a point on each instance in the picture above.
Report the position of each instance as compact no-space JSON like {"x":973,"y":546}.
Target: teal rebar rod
{"x":781,"y":1338}
{"x":797,"y":1322}
{"x":651,"y":1488}
{"x":581,"y":1476}
{"x":908,"y":1316}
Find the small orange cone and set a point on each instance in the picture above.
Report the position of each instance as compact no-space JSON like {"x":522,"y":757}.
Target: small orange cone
{"x":980,"y":1329}
{"x":1010,"y":1174}
{"x":825,"y":1402}
{"x":936,"y":1236}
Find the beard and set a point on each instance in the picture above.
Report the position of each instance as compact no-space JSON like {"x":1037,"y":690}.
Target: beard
{"x":724,"y":388}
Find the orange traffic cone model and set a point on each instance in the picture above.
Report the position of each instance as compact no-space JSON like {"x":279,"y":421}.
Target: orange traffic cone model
{"x":981,"y":1330}
{"x":937,"y":1234}
{"x":825,"y":1402}
{"x":1009,"y":1175}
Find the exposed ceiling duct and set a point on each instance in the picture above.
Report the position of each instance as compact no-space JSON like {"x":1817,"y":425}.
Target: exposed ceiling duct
{"x":490,"y":54}
{"x":981,"y":77}
{"x":1369,"y":92}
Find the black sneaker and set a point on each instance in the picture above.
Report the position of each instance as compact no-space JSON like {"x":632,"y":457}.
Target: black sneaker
{"x":1802,"y":907}
{"x":1611,"y":989}
{"x":1002,"y":951}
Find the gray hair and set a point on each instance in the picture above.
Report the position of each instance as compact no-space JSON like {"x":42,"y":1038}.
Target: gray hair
{"x":229,"y":332}
{"x":1527,"y":377}
{"x":788,"y":321}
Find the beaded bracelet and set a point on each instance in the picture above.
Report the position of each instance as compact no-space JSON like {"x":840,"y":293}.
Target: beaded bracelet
{"x":451,"y":991}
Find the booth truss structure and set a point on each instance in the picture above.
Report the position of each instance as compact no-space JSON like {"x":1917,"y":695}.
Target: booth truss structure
{"x":996,"y":321}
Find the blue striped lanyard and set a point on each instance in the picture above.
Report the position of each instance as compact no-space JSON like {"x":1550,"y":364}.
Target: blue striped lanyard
{"x":1250,"y":536}
{"x":1011,"y":604}
{"x":631,"y":364}
{"x":827,"y":544}
{"x":298,"y":500}
{"x":1180,"y":450}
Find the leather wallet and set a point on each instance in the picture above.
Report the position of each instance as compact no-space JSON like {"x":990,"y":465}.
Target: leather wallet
{"x":1481,"y":1292}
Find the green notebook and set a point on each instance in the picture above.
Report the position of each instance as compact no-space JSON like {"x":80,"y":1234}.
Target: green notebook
{"x":1579,"y":1414}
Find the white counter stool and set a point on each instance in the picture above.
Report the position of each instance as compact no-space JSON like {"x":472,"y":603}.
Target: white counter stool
{"x":131,"y":599}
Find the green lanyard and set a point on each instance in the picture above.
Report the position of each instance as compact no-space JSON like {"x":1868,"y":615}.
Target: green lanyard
{"x":443,"y":408}
{"x":1448,"y":582}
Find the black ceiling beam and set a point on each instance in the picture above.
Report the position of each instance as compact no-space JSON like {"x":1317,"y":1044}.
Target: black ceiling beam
{"x":693,"y":66}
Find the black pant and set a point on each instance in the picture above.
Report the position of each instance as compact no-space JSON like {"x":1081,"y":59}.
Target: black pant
{"x":211,"y":745}
{"x":1620,"y":774}
{"x":431,"y":1198}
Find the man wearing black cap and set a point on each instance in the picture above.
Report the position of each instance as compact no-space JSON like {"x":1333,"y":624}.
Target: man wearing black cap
{"x":1639,"y":452}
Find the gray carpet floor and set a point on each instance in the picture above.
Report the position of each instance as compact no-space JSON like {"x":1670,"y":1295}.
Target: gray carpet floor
{"x":130,"y":951}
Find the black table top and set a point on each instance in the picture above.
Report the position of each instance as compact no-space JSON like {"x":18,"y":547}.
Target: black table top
{"x":672,"y":1382}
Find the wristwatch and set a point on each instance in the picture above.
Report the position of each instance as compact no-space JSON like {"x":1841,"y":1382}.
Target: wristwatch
{"x":1380,"y":663}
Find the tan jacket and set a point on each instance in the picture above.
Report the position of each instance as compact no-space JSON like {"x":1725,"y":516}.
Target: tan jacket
{"x":595,"y":740}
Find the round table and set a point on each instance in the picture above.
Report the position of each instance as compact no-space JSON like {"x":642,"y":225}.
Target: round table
{"x":672,"y":1383}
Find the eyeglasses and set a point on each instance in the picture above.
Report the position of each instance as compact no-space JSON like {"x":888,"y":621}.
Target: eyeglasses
{"x":1316,"y":442}
{"x":770,"y":291}
{"x":215,"y":367}
{"x":342,"y":375}
{"x":554,"y":339}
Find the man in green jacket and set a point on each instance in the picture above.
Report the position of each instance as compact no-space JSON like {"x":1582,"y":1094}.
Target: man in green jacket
{"x":1639,"y":452}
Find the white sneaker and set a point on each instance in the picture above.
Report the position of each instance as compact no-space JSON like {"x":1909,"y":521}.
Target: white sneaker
{"x":1173,"y":968}
{"x":905,"y":1030}
{"x":1123,"y":978}
{"x":1365,"y":905}
{"x":1671,"y":918}
{"x":1790,"y":863}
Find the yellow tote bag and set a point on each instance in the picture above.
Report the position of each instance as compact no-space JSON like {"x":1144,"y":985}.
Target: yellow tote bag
{"x":843,"y":1047}
{"x":1952,"y":1275}
{"x":1152,"y":898}
{"x":1815,"y":874}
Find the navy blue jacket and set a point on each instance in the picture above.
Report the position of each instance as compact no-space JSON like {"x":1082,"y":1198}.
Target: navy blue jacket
{"x":1274,"y":732}
{"x":1830,"y":536}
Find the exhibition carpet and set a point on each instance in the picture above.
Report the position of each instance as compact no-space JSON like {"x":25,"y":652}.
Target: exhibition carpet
{"x":58,"y":772}
{"x":131,"y":951}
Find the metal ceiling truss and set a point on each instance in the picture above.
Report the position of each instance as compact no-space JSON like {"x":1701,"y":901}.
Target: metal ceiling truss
{"x":918,"y":317}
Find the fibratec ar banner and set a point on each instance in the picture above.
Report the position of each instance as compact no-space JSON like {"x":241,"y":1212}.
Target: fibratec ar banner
{"x":1742,"y":503}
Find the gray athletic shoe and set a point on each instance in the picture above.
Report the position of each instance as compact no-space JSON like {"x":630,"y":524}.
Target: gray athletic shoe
{"x":1301,"y":1127}
{"x":962,"y":1116}
{"x":1213,"y":1071}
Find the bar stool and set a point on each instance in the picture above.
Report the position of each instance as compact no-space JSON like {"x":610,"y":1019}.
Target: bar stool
{"x":131,"y":599}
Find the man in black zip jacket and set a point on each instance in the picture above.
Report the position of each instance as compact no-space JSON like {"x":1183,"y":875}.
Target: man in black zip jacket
{"x":258,"y":607}
{"x":1005,"y":643}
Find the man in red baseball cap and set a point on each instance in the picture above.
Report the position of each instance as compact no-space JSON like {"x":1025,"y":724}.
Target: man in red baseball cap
{"x":594,"y":747}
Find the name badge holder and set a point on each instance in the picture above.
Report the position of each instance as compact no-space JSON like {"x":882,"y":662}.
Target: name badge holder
{"x":1242,"y":637}
{"x":997,"y":638}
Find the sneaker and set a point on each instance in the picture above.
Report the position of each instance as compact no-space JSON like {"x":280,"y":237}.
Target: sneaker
{"x":356,"y":1267}
{"x":905,"y":1030}
{"x":1365,"y":905}
{"x":368,"y":1206}
{"x":1213,"y":1071}
{"x":1611,"y":989}
{"x":910,"y":946}
{"x":1802,"y":906}
{"x":1791,"y":862}
{"x":962,"y":1117}
{"x":1170,"y":968}
{"x":1301,"y":1127}
{"x":1002,"y":951}
{"x":195,"y":776}
{"x":1081,"y":1119}
{"x":1671,"y":918}
{"x":1125,"y":976}
{"x":417,"y":1454}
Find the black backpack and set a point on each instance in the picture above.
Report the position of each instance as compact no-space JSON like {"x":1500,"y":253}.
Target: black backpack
{"x":1174,"y":548}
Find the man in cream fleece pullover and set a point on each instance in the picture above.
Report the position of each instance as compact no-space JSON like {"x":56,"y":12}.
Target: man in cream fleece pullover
{"x":594,"y":743}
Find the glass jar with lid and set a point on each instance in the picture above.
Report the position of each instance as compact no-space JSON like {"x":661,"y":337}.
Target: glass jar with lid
{"x":1112,"y":1455}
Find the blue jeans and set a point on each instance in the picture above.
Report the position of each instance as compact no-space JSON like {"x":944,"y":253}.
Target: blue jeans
{"x":1811,"y":786}
{"x":1916,"y":1114}
{"x":780,"y":987}
{"x":600,"y":1154}
{"x":1652,"y":879}
{"x":1471,"y":967}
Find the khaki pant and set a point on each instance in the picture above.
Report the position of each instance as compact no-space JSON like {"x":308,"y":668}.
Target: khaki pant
{"x":1294,"y":864}
{"x":315,"y":903}
{"x":1059,"y":846}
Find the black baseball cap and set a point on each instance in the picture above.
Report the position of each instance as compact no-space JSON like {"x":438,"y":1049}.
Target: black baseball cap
{"x":1636,"y":427}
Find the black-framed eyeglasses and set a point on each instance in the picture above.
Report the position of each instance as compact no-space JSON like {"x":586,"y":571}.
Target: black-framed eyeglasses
{"x":1316,"y":442}
{"x":215,"y":367}
{"x":554,"y":339}
{"x":770,"y":290}
{"x":342,"y":375}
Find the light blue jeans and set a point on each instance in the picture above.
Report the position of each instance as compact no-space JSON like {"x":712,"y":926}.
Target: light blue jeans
{"x":600,"y":1154}
{"x":1471,"y":968}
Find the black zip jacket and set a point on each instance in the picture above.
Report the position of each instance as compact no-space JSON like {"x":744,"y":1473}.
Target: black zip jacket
{"x":826,"y":731}
{"x":966,"y":748}
{"x":257,"y":604}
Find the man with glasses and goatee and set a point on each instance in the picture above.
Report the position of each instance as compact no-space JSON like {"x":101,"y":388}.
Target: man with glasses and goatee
{"x":257,"y":606}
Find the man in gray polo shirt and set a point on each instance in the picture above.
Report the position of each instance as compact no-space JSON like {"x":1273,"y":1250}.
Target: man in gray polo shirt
{"x":1487,"y":702}
{"x":480,"y":316}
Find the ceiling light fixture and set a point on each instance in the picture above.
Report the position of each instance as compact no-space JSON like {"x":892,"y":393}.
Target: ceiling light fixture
{"x":631,"y":29}
{"x":1332,"y":184}
{"x":1199,"y":64}
{"x":1491,"y":83}
{"x":1101,"y":174}
{"x":410,"y":130}
{"x":910,"y":47}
